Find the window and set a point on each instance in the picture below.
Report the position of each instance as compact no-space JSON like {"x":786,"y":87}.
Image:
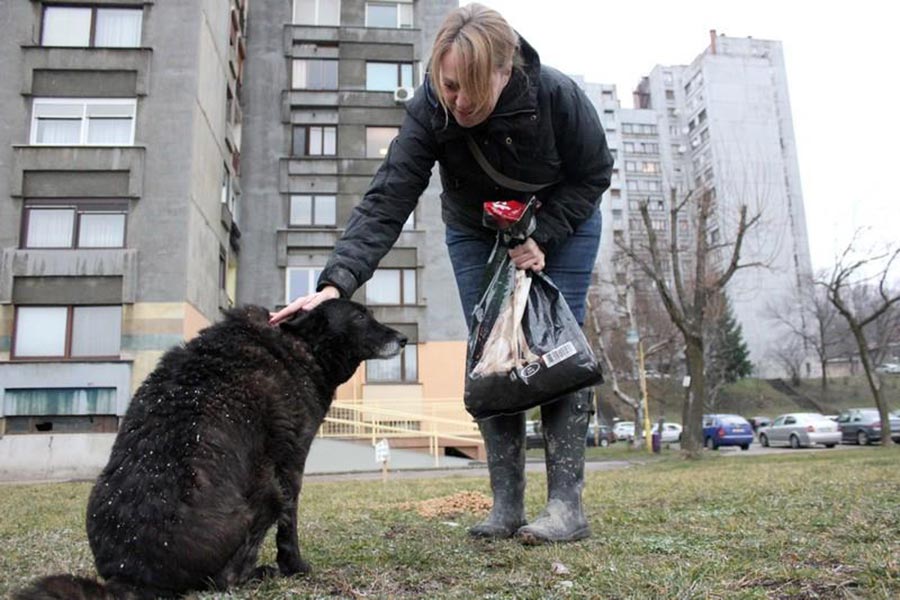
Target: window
{"x":300,"y":282}
{"x":85,"y":26}
{"x":389,"y":14}
{"x":83,"y":122}
{"x":314,"y":74}
{"x":630,"y":166}
{"x":67,"y":331}
{"x":309,"y":210}
{"x":401,"y":368}
{"x":317,"y":12}
{"x":315,"y":140}
{"x":649,"y":167}
{"x":74,"y":224}
{"x":617,"y":215}
{"x":387,"y":77}
{"x":378,"y":139}
{"x":392,"y":286}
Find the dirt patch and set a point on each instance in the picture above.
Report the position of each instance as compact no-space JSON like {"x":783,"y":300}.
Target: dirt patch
{"x":450,"y":506}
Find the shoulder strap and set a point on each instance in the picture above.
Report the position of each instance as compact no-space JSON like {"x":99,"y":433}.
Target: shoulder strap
{"x":500,"y":178}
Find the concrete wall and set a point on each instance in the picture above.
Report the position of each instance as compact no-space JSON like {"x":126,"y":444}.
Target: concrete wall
{"x":54,"y":457}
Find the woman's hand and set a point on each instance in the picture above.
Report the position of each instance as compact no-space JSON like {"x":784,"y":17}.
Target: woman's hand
{"x":307,"y":302}
{"x":528,"y":255}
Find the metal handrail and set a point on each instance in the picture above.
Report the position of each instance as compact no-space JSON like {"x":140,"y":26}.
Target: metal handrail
{"x":365,"y":426}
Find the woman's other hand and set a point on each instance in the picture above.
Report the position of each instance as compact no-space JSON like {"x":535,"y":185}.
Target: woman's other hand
{"x":307,"y":302}
{"x":528,"y":255}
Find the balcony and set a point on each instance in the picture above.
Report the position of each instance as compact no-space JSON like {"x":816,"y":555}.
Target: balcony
{"x":77,"y":170}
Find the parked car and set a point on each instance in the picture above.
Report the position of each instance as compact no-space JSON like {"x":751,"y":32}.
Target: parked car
{"x":800,"y":430}
{"x":889,"y":368}
{"x":533,"y":436}
{"x":671,"y":432}
{"x":863,"y":426}
{"x":726,"y":430}
{"x":597,"y":432}
{"x":624,"y":430}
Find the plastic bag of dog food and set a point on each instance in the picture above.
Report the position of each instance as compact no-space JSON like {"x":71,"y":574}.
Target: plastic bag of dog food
{"x":525,"y":347}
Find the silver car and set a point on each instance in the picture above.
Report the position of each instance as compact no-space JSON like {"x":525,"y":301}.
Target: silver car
{"x":799,"y":430}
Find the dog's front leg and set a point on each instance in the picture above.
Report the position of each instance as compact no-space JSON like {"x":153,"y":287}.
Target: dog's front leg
{"x":289,"y":560}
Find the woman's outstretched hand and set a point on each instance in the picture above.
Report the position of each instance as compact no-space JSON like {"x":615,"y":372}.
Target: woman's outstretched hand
{"x":528,"y":255}
{"x":307,"y":302}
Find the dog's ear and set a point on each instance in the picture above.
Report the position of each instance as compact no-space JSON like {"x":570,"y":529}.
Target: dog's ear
{"x":303,"y":322}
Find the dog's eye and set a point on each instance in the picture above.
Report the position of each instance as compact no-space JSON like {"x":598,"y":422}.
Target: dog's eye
{"x":359,"y":317}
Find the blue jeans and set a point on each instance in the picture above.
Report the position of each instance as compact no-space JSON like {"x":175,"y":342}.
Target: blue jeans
{"x":568,"y":264}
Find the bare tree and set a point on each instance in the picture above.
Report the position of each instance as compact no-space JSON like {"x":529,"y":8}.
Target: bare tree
{"x":790,"y":355}
{"x":687,"y":300}
{"x":858,"y":287}
{"x":612,"y":318}
{"x":812,"y":319}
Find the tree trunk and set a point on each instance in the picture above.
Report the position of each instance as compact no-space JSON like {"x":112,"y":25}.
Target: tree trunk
{"x":874,"y":384}
{"x":692,"y":415}
{"x":823,"y":362}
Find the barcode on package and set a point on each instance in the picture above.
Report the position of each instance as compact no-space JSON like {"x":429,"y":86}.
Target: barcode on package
{"x":557,"y":355}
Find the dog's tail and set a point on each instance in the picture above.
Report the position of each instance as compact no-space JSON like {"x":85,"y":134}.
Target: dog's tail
{"x":69,"y":587}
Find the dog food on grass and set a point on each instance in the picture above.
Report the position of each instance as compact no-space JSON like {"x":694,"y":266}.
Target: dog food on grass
{"x":448,"y":506}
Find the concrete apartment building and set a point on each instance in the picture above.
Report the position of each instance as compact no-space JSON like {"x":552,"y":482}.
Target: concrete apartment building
{"x":119,"y":186}
{"x":325,"y":91}
{"x":723,"y":123}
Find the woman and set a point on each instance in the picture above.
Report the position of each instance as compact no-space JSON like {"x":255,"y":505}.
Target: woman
{"x":534,"y":125}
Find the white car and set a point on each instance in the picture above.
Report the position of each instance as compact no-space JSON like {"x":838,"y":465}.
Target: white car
{"x":671,"y":432}
{"x":799,"y":430}
{"x":888,"y":368}
{"x":624,"y":430}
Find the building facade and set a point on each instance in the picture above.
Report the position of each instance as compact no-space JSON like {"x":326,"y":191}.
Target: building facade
{"x":326,"y":87}
{"x":722,"y":124}
{"x":119,"y":187}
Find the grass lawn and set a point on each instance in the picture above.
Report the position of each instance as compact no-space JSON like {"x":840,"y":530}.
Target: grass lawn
{"x":819,"y":524}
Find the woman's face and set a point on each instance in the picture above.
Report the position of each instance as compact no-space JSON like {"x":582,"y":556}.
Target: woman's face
{"x":458,"y":99}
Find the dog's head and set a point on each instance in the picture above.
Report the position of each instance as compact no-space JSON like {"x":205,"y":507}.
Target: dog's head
{"x":341,"y":335}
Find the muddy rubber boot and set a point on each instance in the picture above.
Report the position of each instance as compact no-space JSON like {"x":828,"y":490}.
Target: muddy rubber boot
{"x":565,"y":424}
{"x":504,"y":440}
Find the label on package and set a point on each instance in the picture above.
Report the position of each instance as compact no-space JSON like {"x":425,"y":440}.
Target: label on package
{"x":557,"y":355}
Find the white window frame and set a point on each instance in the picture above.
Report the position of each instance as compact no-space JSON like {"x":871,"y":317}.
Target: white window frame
{"x":312,"y":275}
{"x":398,"y":14}
{"x":79,"y":209}
{"x":315,"y":201}
{"x":386,"y":148}
{"x":69,"y":333}
{"x":407,"y":290}
{"x":94,"y":11}
{"x":85,"y":120}
{"x":318,"y":15}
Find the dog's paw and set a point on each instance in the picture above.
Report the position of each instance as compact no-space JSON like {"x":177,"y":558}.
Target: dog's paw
{"x":263,"y":572}
{"x":297,"y":566}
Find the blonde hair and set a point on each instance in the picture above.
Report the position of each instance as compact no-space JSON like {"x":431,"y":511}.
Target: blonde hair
{"x":484,"y":43}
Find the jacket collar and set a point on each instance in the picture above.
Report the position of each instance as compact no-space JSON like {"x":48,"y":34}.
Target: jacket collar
{"x":519,"y":95}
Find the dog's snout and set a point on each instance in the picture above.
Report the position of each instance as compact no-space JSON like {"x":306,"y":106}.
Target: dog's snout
{"x":402,"y":339}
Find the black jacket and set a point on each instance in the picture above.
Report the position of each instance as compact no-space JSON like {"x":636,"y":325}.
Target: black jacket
{"x":543,"y":129}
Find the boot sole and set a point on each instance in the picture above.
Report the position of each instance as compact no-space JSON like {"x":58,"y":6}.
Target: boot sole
{"x":530,"y":538}
{"x":495,"y":534}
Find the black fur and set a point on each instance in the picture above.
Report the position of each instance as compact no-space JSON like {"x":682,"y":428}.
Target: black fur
{"x":211,"y":454}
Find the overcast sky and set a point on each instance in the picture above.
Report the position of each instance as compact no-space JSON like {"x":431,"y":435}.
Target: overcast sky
{"x":841,"y":60}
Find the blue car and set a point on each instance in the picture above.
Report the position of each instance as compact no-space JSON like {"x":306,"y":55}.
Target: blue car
{"x":726,"y":430}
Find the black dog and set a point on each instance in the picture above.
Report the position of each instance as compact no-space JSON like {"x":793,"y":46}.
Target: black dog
{"x":211,"y":454}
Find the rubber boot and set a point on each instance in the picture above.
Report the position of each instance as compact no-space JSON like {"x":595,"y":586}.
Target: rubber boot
{"x":565,"y":424}
{"x":504,"y":440}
